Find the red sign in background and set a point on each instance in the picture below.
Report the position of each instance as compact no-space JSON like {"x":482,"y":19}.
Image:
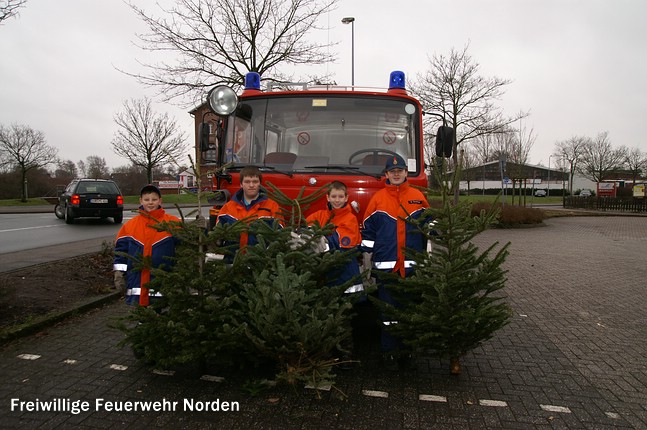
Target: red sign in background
{"x":389,"y":137}
{"x":303,"y":138}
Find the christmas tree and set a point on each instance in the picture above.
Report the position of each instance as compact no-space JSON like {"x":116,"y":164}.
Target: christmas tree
{"x":453,"y":302}
{"x":291,"y":315}
{"x":270,"y":301}
{"x":195,"y":319}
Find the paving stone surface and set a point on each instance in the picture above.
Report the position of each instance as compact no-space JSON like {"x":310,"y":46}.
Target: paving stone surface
{"x":573,"y":357}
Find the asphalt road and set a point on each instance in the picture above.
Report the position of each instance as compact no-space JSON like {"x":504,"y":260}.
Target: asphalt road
{"x":33,"y":235}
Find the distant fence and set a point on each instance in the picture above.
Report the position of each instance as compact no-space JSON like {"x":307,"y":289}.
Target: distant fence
{"x":621,"y":204}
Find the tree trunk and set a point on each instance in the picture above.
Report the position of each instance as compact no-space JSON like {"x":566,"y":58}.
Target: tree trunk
{"x":23,"y":186}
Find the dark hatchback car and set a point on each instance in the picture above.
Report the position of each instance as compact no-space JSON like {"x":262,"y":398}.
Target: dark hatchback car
{"x":90,"y":198}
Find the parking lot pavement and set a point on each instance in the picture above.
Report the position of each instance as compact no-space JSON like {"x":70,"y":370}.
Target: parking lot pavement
{"x":572,"y":357}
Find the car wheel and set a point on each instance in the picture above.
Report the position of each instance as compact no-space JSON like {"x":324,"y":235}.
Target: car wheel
{"x":59,"y":212}
{"x":69,"y":216}
{"x":118,"y":218}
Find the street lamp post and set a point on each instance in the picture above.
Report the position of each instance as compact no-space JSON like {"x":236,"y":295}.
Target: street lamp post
{"x":548,"y":190}
{"x":351,"y":20}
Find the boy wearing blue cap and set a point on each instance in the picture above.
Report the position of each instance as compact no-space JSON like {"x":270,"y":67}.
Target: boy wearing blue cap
{"x":387,"y":233}
{"x":138,"y":239}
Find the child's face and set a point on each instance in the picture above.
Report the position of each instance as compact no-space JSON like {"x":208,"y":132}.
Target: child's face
{"x":337,"y":198}
{"x":150,"y":201}
{"x":396,"y":176}
{"x":251,"y":186}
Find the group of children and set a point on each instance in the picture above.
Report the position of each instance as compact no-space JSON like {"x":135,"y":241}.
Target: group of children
{"x":385,"y":234}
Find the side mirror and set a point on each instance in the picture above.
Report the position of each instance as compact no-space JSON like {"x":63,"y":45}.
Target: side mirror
{"x":204,"y":137}
{"x":444,"y":141}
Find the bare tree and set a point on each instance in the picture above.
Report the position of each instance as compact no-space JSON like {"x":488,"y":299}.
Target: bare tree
{"x":145,"y":138}
{"x":65,"y":171}
{"x":490,"y":147}
{"x":96,"y":167}
{"x":468,"y":162}
{"x":129,"y":178}
{"x":219,"y":41}
{"x":5,"y":161}
{"x":522,"y":142}
{"x":599,"y":160}
{"x":569,"y":153}
{"x":66,"y":168}
{"x":25,"y":149}
{"x":82,"y":169}
{"x":453,"y":89}
{"x":484,"y":147}
{"x":9,"y":8}
{"x":636,"y":163}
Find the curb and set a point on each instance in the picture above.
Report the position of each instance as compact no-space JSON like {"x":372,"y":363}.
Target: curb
{"x":26,"y":329}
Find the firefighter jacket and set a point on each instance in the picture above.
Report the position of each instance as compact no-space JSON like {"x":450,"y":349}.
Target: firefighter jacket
{"x":386,"y":234}
{"x":345,"y":237}
{"x":137,"y":238}
{"x":260,"y":209}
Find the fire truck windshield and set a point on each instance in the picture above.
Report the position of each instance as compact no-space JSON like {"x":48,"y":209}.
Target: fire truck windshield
{"x":321,"y":133}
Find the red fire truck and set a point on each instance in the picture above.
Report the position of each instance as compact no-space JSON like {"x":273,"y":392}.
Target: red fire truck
{"x":310,"y":136}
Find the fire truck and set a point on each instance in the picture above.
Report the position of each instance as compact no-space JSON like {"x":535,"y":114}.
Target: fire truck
{"x":309,"y":136}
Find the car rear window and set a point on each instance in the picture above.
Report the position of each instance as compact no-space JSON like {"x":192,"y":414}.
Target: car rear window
{"x":97,"y":187}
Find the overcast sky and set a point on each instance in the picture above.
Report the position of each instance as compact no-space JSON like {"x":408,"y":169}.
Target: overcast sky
{"x":578,"y":66}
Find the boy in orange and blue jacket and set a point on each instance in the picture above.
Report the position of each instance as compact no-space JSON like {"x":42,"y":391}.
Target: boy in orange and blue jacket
{"x":345,"y":236}
{"x":138,"y":239}
{"x":249,"y":203}
{"x":387,"y":234}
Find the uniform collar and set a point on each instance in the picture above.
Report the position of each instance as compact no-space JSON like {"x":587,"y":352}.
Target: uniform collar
{"x":155,"y":214}
{"x":239,"y":197}
{"x":396,"y":188}
{"x":341,"y":211}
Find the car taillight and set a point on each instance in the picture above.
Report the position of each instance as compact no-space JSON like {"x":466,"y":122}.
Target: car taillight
{"x":120,"y":200}
{"x":75,"y":199}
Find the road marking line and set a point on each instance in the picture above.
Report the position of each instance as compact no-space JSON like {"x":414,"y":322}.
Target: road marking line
{"x":70,"y":361}
{"x":29,"y":356}
{"x":164,"y":372}
{"x":373,"y":393}
{"x":320,"y":387}
{"x":494,"y":403}
{"x":30,"y":228}
{"x":432,"y":398}
{"x":118,"y":367}
{"x":614,"y":415}
{"x":212,"y":378}
{"x":552,"y":408}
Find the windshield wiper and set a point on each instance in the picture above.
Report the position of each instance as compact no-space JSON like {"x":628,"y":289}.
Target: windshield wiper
{"x":274,"y":169}
{"x":346,"y":169}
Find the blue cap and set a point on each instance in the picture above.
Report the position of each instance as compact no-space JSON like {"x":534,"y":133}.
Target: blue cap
{"x":395,"y":162}
{"x":150,"y":188}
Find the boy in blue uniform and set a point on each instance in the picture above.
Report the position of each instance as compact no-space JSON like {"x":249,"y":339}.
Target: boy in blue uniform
{"x":387,"y":233}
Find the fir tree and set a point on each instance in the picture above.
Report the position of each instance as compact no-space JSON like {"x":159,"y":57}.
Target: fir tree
{"x":195,"y":319}
{"x":453,"y":301}
{"x":295,"y":322}
{"x":271,"y":301}
{"x":292,"y":316}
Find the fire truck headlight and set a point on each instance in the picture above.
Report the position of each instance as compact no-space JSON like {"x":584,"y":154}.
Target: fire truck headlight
{"x":222,"y":100}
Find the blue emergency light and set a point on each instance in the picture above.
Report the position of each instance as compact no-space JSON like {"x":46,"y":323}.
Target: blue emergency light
{"x":252,"y":81}
{"x":396,"y":80}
